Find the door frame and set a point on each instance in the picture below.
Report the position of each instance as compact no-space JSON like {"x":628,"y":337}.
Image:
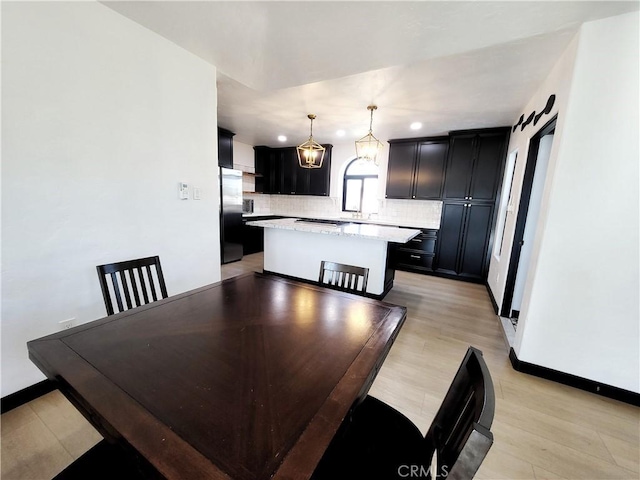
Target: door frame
{"x":523,"y":211}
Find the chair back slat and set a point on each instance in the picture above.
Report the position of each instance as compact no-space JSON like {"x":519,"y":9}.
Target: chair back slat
{"x":143,"y":285}
{"x":344,"y":277}
{"x":134,"y":288}
{"x":132,"y":280}
{"x":116,"y":291}
{"x":151,"y":284}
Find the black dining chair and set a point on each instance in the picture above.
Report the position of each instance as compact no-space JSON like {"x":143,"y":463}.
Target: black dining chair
{"x":378,"y":442}
{"x":132,"y":279}
{"x":107,"y":461}
{"x":344,"y":277}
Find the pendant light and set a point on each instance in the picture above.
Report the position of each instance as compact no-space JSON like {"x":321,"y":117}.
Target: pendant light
{"x":310,"y":153}
{"x":367,"y":147}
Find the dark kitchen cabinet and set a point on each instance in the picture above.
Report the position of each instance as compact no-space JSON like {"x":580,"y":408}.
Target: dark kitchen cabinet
{"x":464,"y":170}
{"x":316,"y":181}
{"x":416,"y":168}
{"x":462,"y":248}
{"x":417,"y":254}
{"x":402,"y":157}
{"x":279,"y":172}
{"x":474,"y":164}
{"x":253,"y":237}
{"x":225,"y":148}
{"x":288,"y":171}
{"x":472,"y":176}
{"x":268,"y":170}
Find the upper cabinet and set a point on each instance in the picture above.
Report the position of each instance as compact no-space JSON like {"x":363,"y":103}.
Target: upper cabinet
{"x":474,"y":164}
{"x":225,"y":148}
{"x":416,"y":168}
{"x":279,"y":172}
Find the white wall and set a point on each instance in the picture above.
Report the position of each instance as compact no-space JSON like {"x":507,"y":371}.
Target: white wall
{"x":580,"y":310}
{"x":558,"y":83}
{"x":101,"y":119}
{"x":243,"y":157}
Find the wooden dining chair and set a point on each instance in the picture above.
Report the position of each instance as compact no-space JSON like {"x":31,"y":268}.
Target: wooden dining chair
{"x":344,"y":277}
{"x":134,"y":280}
{"x":378,"y":442}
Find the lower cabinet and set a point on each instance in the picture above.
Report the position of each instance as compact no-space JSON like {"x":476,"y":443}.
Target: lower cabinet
{"x":253,"y":237}
{"x":417,"y":255}
{"x":462,"y":248}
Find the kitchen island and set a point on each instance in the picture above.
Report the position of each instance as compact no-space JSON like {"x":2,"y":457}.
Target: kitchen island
{"x":295,"y":247}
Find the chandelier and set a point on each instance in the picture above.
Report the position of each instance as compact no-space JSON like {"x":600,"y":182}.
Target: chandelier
{"x":367,"y":147}
{"x":310,"y":153}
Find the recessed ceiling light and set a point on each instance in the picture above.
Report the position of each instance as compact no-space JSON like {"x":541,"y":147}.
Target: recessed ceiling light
{"x":282,"y":138}
{"x":415,"y":126}
{"x":340,"y":133}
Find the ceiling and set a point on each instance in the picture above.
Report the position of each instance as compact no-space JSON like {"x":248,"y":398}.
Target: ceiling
{"x":450,"y":65}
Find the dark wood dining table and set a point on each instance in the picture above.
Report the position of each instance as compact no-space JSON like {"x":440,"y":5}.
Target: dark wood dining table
{"x":248,"y":378}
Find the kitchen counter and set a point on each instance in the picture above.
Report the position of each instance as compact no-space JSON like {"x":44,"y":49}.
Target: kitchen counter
{"x":365,"y":231}
{"x":368,"y":221}
{"x":296,"y":249}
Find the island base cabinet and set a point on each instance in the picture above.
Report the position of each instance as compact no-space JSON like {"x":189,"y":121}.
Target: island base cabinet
{"x":417,"y":254}
{"x":462,"y":248}
{"x":298,"y":254}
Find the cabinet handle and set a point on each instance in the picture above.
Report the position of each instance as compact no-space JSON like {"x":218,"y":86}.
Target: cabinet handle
{"x":415,"y":256}
{"x":413,"y":196}
{"x":470,"y":198}
{"x":416,"y":240}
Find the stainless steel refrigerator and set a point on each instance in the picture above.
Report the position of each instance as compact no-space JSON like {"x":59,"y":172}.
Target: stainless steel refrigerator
{"x":230,"y":215}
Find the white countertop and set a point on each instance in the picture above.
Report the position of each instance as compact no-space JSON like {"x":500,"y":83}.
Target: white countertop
{"x":374,"y":232}
{"x":373,"y":221}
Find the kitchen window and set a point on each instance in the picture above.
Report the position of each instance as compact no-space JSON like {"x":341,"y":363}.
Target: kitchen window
{"x":360,"y":187}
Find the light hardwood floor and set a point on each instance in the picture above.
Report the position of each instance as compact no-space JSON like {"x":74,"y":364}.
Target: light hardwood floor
{"x":542,"y":430}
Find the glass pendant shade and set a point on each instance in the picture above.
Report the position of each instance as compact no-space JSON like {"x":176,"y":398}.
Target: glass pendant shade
{"x":310,"y":153}
{"x":368,"y":147}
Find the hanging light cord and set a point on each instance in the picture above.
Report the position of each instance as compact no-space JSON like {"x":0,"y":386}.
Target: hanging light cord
{"x":371,"y":122}
{"x":311,"y":117}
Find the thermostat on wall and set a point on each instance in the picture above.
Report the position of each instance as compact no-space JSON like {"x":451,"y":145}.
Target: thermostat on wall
{"x":183,"y":190}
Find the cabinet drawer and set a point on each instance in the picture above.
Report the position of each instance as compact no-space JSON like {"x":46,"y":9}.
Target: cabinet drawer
{"x":414,"y":258}
{"x":424,"y":243}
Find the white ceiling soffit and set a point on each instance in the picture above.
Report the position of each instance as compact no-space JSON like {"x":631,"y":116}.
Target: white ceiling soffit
{"x":270,"y":45}
{"x":450,"y":65}
{"x":484,"y":88}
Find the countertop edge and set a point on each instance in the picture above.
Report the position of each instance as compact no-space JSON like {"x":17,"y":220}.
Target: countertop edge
{"x":363,"y":221}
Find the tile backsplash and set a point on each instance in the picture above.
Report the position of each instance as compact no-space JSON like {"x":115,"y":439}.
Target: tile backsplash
{"x":415,"y":213}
